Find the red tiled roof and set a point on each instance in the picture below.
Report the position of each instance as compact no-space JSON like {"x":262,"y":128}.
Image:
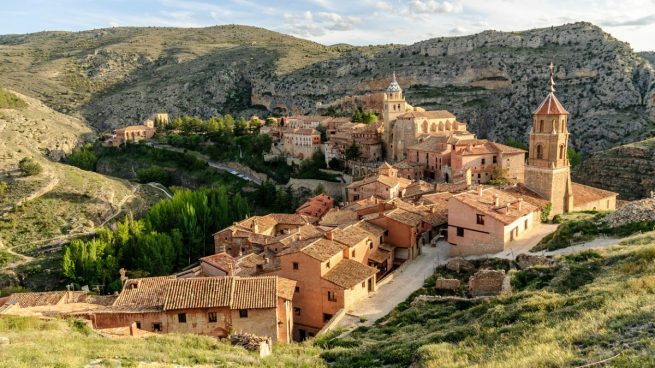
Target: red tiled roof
{"x":485,"y":204}
{"x":209,"y":292}
{"x":436,"y":114}
{"x":148,"y":292}
{"x":550,"y":106}
{"x":26,"y":300}
{"x":584,"y":194}
{"x":221,"y":260}
{"x":348,"y":273}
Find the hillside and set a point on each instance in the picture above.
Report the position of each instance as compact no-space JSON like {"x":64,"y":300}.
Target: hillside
{"x":75,"y":345}
{"x":628,"y":169}
{"x":648,"y":55}
{"x":585,"y":308}
{"x":40,"y":211}
{"x":589,"y":307}
{"x":492,"y":80}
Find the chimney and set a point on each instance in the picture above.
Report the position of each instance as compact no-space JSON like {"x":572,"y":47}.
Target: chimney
{"x":496,"y":200}
{"x":329,"y":235}
{"x":507,"y":209}
{"x":520,"y":204}
{"x":480,"y":190}
{"x":255,"y":226}
{"x":266,"y":260}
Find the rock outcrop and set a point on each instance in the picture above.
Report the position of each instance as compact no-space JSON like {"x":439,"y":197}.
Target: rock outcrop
{"x":492,"y":80}
{"x":628,"y":170}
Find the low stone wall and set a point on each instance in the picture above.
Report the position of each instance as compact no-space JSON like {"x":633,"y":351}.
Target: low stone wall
{"x":333,"y":322}
{"x":334,"y":190}
{"x":390,"y":276}
{"x":447,"y":284}
{"x":487,"y":282}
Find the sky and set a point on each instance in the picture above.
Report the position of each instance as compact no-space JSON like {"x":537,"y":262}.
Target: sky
{"x":357,"y":22}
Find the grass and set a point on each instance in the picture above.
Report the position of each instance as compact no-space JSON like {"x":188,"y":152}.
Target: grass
{"x":578,"y":312}
{"x":9,"y":100}
{"x":73,"y":344}
{"x":580,"y":227}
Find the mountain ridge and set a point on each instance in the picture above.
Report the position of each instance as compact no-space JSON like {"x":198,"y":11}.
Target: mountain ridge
{"x":492,"y":80}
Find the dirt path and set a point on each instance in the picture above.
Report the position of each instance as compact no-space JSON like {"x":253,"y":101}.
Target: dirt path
{"x":386,"y":298}
{"x":55,"y":243}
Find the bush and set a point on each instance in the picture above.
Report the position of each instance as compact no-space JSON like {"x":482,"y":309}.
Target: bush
{"x":154,"y":173}
{"x":3,"y":187}
{"x":29,"y":167}
{"x":84,"y":158}
{"x":10,"y":101}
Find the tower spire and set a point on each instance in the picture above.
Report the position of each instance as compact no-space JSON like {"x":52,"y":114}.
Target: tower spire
{"x":394,"y":76}
{"x":551,"y":82}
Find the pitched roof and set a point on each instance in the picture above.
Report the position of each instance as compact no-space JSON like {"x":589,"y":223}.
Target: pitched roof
{"x":209,"y":292}
{"x":418,"y":187}
{"x":350,"y":235}
{"x":370,"y":228}
{"x":148,"y":292}
{"x":404,"y":217}
{"x":584,"y":194}
{"x":338,"y":216}
{"x":255,"y":292}
{"x":322,"y":249}
{"x":435,"y":114}
{"x":550,"y":106}
{"x":221,"y":260}
{"x":485,"y":203}
{"x":26,"y":300}
{"x":379,"y":255}
{"x":348,"y":273}
{"x":389,"y":181}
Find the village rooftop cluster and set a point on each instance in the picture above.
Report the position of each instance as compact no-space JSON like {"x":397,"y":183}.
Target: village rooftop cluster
{"x":422,"y":180}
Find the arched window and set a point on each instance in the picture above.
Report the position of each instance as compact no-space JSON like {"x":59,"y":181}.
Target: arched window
{"x":562,"y":125}
{"x":394,"y":107}
{"x":561,"y":152}
{"x":425,"y":126}
{"x":541,"y":126}
{"x":433,"y":127}
{"x":441,"y":126}
{"x":540,"y":151}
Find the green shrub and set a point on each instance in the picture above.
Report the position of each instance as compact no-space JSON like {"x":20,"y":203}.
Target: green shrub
{"x":84,"y":158}
{"x":29,"y":167}
{"x":3,"y":187}
{"x":154,"y":174}
{"x":9,"y":100}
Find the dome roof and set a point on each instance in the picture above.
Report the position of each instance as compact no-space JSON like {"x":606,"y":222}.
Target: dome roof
{"x":394,"y":86}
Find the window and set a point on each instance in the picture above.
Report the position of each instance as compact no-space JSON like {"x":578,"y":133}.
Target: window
{"x":295,"y":265}
{"x":138,"y":324}
{"x":243,"y":313}
{"x":526,"y":224}
{"x":327,"y":264}
{"x":540,"y":151}
{"x":156,"y":327}
{"x":353,"y":253}
{"x":370,"y":244}
{"x":460,"y":231}
{"x":494,"y":160}
{"x":332,"y":296}
{"x":326,"y":317}
{"x":297,"y":311}
{"x":364,"y":284}
{"x":297,"y":289}
{"x":541,"y":126}
{"x":212,"y":317}
{"x":561,"y":152}
{"x":479,"y":219}
{"x":483,"y":161}
{"x":181,"y":317}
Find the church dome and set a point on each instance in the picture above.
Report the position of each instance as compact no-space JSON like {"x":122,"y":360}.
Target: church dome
{"x":394,"y":86}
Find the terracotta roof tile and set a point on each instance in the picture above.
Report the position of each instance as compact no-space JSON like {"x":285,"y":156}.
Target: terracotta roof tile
{"x":404,"y":217}
{"x":208,"y":292}
{"x":436,"y":114}
{"x":379,"y":256}
{"x":338,"y":216}
{"x":583,"y":194}
{"x":26,"y":300}
{"x":485,"y":204}
{"x":348,"y":273}
{"x":255,"y":292}
{"x":550,"y":106}
{"x":322,"y":249}
{"x":149,"y":292}
{"x":350,"y":235}
{"x":221,"y":260}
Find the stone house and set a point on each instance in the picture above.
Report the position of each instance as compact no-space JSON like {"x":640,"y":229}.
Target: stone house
{"x":212,"y":306}
{"x":301,"y":143}
{"x":257,"y":232}
{"x":316,"y":206}
{"x":132,"y":133}
{"x":386,"y":185}
{"x":368,"y":137}
{"x":328,"y":279}
{"x":488,"y":220}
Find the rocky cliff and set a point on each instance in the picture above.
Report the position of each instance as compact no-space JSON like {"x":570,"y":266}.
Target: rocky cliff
{"x":628,"y":170}
{"x":492,"y":80}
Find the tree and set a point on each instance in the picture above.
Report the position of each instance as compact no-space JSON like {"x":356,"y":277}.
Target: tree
{"x":352,"y":152}
{"x":29,"y":167}
{"x":499,"y":176}
{"x":516,"y":144}
{"x":84,"y":158}
{"x":335,"y":164}
{"x":545,"y":212}
{"x":273,"y":122}
{"x":575,"y":157}
{"x":320,"y":189}
{"x":154,"y":173}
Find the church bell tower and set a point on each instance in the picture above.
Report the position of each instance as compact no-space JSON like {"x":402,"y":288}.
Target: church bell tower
{"x":394,"y":105}
{"x":547,"y":172}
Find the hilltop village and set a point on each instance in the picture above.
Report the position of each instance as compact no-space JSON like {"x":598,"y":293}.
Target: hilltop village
{"x":421,"y":180}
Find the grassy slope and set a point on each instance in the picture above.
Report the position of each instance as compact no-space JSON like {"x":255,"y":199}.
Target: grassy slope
{"x":73,"y":345}
{"x":589,"y":309}
{"x":65,"y":69}
{"x":78,"y":201}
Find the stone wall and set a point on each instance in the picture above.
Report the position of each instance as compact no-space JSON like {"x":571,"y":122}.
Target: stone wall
{"x":334,"y":190}
{"x":486,"y":282}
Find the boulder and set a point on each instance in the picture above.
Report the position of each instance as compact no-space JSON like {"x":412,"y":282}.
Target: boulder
{"x":487,"y":282}
{"x":526,"y":261}
{"x":460,"y":265}
{"x":447,"y":284}
{"x":4,"y":340}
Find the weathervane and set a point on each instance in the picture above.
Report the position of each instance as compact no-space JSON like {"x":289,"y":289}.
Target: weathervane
{"x":551,"y":83}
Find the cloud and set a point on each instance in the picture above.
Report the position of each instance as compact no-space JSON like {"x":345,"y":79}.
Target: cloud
{"x":434,"y":6}
{"x":643,"y":21}
{"x":336,"y":22}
